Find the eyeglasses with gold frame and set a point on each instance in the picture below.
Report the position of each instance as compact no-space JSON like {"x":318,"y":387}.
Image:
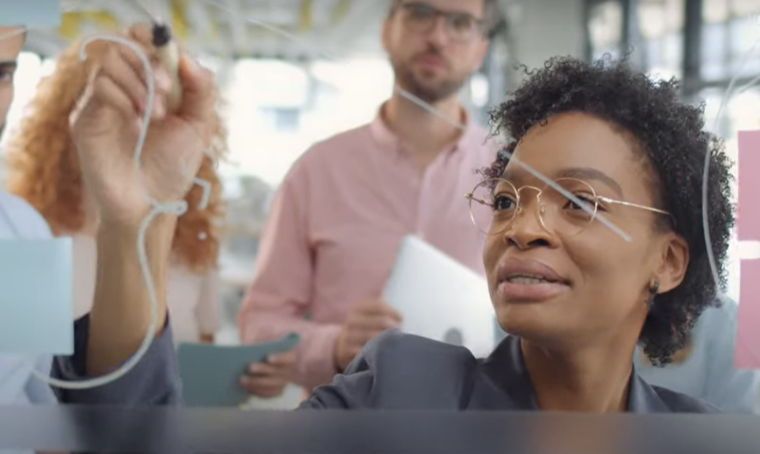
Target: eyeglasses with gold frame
{"x":496,"y":202}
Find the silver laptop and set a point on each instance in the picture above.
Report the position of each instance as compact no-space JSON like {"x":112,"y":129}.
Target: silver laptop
{"x":439,"y":298}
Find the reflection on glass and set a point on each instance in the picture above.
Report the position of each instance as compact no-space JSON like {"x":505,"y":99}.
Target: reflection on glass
{"x":651,"y":20}
{"x":743,"y":111}
{"x":27,"y":75}
{"x":661,"y":30}
{"x":672,"y":51}
{"x":712,"y":99}
{"x":479,"y":90}
{"x":730,"y":30}
{"x":715,"y":11}
{"x":745,"y":7}
{"x":714,"y":50}
{"x":658,"y":17}
{"x":605,"y":28}
{"x":740,"y":113}
{"x":743,"y":34}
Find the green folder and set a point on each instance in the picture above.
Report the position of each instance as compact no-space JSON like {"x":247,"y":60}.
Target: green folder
{"x":211,"y":373}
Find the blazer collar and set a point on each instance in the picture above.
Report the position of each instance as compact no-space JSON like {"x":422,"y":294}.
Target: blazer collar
{"x":642,"y":398}
{"x":503,"y":383}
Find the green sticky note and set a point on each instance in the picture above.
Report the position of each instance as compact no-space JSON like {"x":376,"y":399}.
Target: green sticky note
{"x":30,"y":13}
{"x":36,"y":314}
{"x":211,"y":373}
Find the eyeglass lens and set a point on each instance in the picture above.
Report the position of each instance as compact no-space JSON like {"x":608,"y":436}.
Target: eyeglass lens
{"x":421,"y":18}
{"x":495,"y":204}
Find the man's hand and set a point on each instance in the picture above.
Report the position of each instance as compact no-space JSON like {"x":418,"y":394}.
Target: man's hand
{"x":365,"y":321}
{"x":109,"y":117}
{"x":268,"y":379}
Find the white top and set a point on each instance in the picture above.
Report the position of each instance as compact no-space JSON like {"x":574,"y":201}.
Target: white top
{"x":17,"y":386}
{"x":191,"y":298}
{"x":708,"y":373}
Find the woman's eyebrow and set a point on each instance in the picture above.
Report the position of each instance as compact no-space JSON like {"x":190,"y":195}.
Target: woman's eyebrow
{"x":588,"y":173}
{"x":582,"y":173}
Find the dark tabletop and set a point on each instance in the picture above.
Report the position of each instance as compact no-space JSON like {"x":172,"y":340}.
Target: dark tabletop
{"x":102,"y":429}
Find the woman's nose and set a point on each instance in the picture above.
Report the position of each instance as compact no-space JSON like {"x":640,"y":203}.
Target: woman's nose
{"x":527,"y":229}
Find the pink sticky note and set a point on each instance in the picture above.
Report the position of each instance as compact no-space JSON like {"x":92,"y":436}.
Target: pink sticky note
{"x":747,"y":354}
{"x":748,"y":220}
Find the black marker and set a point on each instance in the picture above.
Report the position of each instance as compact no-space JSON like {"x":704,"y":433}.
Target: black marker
{"x":168,"y":53}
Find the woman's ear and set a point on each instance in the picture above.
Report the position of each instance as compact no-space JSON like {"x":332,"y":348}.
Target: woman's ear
{"x":673,"y":263}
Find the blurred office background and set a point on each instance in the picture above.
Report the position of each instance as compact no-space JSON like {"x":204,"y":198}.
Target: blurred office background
{"x":282,"y":94}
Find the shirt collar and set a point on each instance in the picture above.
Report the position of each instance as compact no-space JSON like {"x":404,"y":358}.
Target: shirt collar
{"x":384,"y":136}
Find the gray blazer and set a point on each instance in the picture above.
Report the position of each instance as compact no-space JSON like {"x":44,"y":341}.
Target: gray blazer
{"x":403,"y":372}
{"x":394,"y":372}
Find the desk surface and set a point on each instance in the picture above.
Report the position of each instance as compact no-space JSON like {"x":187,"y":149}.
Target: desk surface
{"x":182,"y":430}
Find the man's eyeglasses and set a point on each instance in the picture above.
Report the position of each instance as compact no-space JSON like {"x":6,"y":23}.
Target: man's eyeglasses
{"x":495,"y":203}
{"x":420,"y":17}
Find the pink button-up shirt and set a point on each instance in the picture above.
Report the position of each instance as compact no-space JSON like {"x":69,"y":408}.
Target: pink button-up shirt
{"x":335,"y":226}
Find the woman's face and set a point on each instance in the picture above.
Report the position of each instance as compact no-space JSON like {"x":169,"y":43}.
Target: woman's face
{"x":599,"y":282}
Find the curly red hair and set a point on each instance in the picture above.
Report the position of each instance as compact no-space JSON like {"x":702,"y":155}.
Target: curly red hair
{"x":43,"y":166}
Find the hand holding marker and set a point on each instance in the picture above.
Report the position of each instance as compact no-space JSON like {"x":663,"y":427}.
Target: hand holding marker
{"x":167,"y":53}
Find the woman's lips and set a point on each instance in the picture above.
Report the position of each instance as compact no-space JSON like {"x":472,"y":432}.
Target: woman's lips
{"x":533,"y":292}
{"x":529,"y":281}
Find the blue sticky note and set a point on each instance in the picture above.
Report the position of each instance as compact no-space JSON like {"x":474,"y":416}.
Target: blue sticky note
{"x":36,"y":314}
{"x":211,"y":373}
{"x":30,"y":13}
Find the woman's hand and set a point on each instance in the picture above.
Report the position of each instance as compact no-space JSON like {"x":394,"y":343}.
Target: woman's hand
{"x":106,"y":124}
{"x":105,"y":127}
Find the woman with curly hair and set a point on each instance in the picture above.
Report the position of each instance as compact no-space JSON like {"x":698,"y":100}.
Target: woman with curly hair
{"x":575,"y":295}
{"x":43,"y":169}
{"x":578,"y":276}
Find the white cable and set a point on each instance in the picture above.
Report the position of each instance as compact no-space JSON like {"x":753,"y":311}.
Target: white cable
{"x":174,"y":208}
{"x":205,"y":185}
{"x":432,"y":110}
{"x":706,"y":173}
{"x":214,"y":159}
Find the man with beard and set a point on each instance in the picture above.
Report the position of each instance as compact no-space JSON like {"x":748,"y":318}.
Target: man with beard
{"x":342,"y":210}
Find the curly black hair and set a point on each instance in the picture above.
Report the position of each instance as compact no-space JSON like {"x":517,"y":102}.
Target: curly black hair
{"x":670,"y":135}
